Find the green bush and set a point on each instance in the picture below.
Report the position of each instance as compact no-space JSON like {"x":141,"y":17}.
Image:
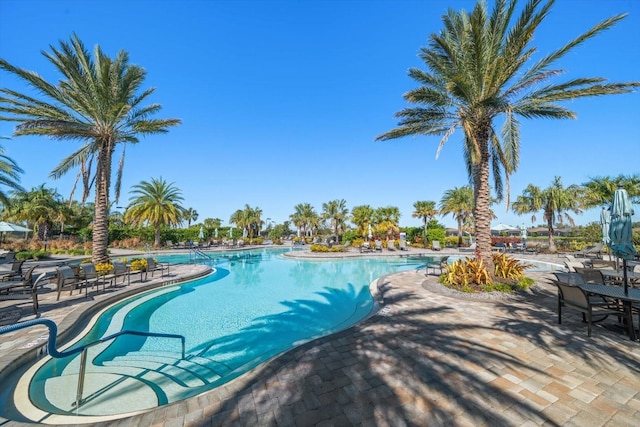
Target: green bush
{"x":35,"y":254}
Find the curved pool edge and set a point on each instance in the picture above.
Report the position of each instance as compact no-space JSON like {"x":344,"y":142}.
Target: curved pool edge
{"x":239,"y":381}
{"x":16,"y":359}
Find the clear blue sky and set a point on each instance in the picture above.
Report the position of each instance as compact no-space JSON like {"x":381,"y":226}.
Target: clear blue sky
{"x":281,"y":100}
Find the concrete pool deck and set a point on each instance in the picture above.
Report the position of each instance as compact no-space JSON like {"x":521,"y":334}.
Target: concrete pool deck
{"x":424,"y":359}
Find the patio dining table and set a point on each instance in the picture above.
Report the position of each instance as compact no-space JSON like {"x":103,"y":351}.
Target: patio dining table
{"x":618,"y":275}
{"x":632,"y":296}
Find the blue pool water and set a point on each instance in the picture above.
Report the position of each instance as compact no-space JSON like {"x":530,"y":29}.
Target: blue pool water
{"x":258,"y":304}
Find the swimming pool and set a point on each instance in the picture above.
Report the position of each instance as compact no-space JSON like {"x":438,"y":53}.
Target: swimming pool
{"x":255,"y":306}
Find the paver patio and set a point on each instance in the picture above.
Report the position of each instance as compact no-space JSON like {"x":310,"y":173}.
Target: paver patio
{"x":425,"y":359}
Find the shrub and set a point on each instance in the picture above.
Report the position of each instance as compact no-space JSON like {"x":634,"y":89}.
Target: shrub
{"x":33,"y":254}
{"x":470,"y":275}
{"x":138,"y":264}
{"x":104,"y":267}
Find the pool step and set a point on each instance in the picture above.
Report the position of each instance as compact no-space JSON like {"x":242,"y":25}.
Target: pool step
{"x":153,"y":378}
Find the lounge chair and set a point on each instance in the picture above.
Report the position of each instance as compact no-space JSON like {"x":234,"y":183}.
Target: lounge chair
{"x":403,"y":245}
{"x":575,"y":297}
{"x":572,"y":265}
{"x":7,"y":257}
{"x":391,"y":246}
{"x":435,"y":245}
{"x":471,"y":248}
{"x":590,"y":251}
{"x":23,"y":289}
{"x":440,"y":264}
{"x":365,"y":247}
{"x":378,"y":244}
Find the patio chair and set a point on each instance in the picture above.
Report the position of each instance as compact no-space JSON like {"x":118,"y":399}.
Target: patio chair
{"x":435,"y":245}
{"x":592,"y":276}
{"x":440,"y":264}
{"x":66,"y":277}
{"x":7,"y":257}
{"x":19,"y":290}
{"x":572,"y":265}
{"x":89,"y":274}
{"x":15,"y":273}
{"x":120,"y":269}
{"x":576,"y":298}
{"x":391,"y":246}
{"x":153,"y":266}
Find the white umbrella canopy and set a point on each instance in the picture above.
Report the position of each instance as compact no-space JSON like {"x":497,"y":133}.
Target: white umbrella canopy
{"x":7,"y":227}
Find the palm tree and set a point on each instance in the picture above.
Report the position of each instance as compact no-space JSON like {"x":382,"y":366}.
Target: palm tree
{"x":599,"y":190}
{"x":305,"y":217}
{"x":336,"y":213}
{"x":362,"y":217}
{"x":190,"y":214}
{"x":9,"y":175}
{"x":156,"y":203}
{"x":98,"y":102}
{"x":40,"y":207}
{"x":212,"y":222}
{"x":480,"y":69}
{"x":554,"y":201}
{"x":386,"y":220}
{"x":459,"y":203}
{"x":426,"y":210}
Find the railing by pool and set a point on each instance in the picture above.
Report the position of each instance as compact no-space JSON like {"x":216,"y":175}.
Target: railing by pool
{"x":53,"y":351}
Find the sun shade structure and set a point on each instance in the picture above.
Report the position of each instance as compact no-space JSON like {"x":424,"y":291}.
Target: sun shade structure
{"x":504,"y":227}
{"x":7,"y":227}
{"x":620,"y":230}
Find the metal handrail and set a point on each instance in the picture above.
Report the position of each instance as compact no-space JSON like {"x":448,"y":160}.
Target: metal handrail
{"x":53,"y":351}
{"x":197,"y":252}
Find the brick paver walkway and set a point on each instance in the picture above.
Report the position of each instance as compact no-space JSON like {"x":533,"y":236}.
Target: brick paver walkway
{"x":427,"y":359}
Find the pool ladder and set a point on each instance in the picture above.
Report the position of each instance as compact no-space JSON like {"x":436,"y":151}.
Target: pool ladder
{"x":196,"y":254}
{"x":53,"y":351}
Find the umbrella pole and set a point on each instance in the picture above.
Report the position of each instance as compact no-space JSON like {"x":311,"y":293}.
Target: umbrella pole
{"x":624,"y":274}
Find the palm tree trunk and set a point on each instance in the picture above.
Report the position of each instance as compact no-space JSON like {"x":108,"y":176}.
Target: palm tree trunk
{"x":459,"y":231}
{"x":156,"y":242}
{"x":425,"y":232}
{"x":552,"y":242}
{"x":101,"y":212}
{"x":481,"y":209}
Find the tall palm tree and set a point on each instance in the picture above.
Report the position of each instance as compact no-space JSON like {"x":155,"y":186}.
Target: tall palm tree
{"x":386,"y":220}
{"x":426,"y":210}
{"x":554,"y":201}
{"x":599,"y":190}
{"x":98,"y":101}
{"x":362,"y":217}
{"x":335,"y":213}
{"x":190,"y":215}
{"x":9,"y":175}
{"x":480,"y":68}
{"x":459,"y":203}
{"x":305,"y":217}
{"x":156,"y":203}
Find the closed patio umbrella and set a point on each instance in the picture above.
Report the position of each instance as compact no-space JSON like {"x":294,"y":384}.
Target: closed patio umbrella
{"x":216,"y":233}
{"x":620,"y":230}
{"x":605,"y":221}
{"x":201,"y":234}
